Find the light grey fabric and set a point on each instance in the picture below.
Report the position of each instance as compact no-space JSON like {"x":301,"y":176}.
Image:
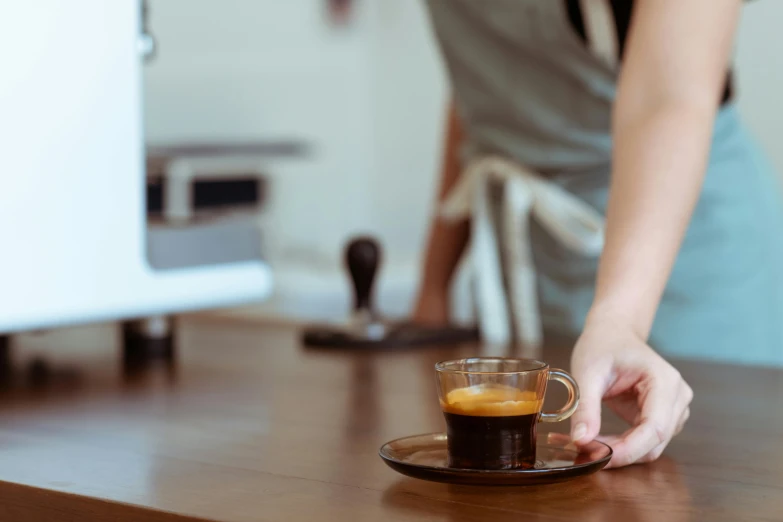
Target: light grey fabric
{"x":524,"y":83}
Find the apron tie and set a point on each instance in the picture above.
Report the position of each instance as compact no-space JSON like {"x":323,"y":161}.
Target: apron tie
{"x":567,"y":218}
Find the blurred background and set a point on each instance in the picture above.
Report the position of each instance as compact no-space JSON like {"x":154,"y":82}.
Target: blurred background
{"x":357,"y":81}
{"x":272,"y":131}
{"x":365,"y":90}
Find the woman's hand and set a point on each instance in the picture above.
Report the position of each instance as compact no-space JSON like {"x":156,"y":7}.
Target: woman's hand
{"x":432,"y":307}
{"x":613,"y":365}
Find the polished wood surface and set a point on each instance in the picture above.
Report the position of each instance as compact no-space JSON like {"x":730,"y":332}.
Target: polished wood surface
{"x":250,"y":426}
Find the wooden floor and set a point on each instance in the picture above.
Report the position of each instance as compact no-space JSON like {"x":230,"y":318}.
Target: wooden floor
{"x":249,"y":426}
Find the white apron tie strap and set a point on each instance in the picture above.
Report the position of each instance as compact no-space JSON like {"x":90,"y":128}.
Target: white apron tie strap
{"x":571,"y":221}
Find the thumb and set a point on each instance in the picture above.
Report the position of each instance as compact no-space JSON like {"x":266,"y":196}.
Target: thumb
{"x":592,"y":378}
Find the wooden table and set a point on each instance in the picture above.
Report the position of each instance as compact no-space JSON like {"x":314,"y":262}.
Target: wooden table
{"x":250,"y":426}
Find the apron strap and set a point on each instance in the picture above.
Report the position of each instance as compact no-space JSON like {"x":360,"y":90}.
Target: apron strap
{"x":571,"y":221}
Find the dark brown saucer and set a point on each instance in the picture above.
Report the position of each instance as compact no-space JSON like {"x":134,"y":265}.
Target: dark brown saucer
{"x":424,"y":457}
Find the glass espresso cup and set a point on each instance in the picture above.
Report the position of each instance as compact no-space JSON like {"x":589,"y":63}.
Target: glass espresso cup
{"x":492,"y":406}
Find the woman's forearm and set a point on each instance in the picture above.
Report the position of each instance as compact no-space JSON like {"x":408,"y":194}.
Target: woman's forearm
{"x":668,"y":94}
{"x":658,"y":169}
{"x":446,"y":240}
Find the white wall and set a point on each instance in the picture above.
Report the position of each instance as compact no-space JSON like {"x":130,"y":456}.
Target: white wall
{"x":370,"y":97}
{"x":409,"y":91}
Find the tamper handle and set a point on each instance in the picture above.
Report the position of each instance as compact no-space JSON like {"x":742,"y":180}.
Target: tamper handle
{"x":362,"y":257}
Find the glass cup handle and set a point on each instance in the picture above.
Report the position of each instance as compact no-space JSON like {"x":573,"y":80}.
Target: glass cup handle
{"x":573,"y":397}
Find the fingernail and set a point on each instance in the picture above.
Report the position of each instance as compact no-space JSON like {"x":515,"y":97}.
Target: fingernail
{"x":579,"y":431}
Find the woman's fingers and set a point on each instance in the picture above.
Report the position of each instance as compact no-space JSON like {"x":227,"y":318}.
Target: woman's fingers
{"x":647,"y":441}
{"x":593,"y":377}
{"x":683,"y":419}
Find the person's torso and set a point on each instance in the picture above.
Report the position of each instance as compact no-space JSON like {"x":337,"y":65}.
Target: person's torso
{"x":535,"y":79}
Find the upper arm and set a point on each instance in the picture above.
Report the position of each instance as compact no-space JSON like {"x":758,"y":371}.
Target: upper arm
{"x":678,"y":51}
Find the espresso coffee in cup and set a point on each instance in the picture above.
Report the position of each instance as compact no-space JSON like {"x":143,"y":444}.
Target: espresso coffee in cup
{"x":492,"y":407}
{"x":491,"y":427}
